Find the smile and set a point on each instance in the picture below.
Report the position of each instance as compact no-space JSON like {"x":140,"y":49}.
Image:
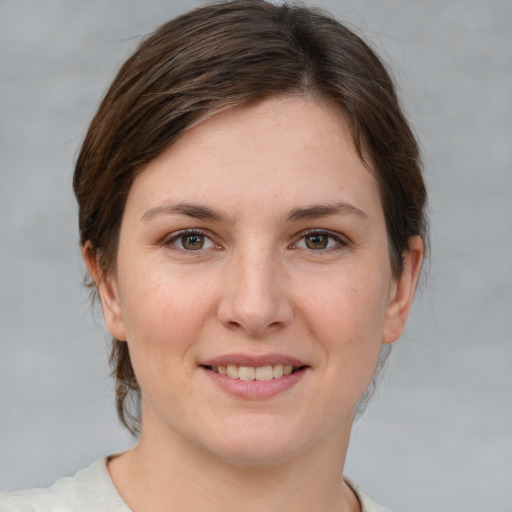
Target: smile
{"x":261,"y":373}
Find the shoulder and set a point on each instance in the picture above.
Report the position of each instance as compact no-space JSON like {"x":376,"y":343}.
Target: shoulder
{"x":90,"y":490}
{"x":367,"y":504}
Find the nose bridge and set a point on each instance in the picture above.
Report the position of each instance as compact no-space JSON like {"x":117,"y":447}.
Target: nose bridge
{"x":255,"y":297}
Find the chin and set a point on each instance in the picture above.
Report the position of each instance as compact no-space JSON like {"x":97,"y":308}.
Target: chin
{"x":259,"y":443}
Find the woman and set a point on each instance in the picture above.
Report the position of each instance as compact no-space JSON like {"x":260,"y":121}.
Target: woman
{"x":251,"y":212}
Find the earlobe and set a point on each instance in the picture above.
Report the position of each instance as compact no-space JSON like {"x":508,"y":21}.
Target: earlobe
{"x":402,"y":292}
{"x":108,"y":292}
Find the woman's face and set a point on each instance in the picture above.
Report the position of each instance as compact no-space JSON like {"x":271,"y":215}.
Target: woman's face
{"x":255,"y":246}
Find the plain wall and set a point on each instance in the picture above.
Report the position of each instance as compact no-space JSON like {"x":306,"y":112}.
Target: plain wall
{"x":438,"y":435}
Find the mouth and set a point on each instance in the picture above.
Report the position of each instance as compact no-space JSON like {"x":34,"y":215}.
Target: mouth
{"x":255,"y":377}
{"x":259,"y":373}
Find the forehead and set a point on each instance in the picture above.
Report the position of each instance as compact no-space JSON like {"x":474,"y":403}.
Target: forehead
{"x":283,"y":152}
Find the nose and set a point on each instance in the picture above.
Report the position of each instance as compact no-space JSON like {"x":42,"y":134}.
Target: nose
{"x":255,"y":299}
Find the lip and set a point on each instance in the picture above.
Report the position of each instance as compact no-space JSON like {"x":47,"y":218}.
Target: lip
{"x":254,"y":389}
{"x":253,"y":360}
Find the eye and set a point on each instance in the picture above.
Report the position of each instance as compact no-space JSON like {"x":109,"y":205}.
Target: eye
{"x":319,"y":241}
{"x":191,"y":240}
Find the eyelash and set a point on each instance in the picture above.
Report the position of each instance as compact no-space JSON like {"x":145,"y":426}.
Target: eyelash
{"x":180,"y":235}
{"x":339,"y":242}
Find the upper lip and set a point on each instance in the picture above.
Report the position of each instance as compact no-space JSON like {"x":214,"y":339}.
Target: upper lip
{"x":253,"y":360}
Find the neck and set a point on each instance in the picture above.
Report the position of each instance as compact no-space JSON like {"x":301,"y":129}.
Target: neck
{"x":162,"y":475}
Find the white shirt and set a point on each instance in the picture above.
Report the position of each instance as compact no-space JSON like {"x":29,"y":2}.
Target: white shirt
{"x":92,"y":490}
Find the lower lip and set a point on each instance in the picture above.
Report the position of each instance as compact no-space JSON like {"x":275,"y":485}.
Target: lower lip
{"x":255,"y":389}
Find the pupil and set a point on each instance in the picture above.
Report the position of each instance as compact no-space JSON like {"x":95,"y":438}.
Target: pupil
{"x":316,"y":242}
{"x":193,"y":241}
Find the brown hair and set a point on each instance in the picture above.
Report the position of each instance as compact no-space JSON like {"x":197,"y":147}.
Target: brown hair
{"x":231,"y":54}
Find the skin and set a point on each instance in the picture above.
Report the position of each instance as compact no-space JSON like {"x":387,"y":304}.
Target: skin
{"x":252,"y":280}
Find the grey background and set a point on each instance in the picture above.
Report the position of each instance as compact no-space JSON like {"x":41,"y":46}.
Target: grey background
{"x":438,"y":435}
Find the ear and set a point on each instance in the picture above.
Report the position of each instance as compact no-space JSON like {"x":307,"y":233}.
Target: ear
{"x":108,"y":292}
{"x":402,"y":291}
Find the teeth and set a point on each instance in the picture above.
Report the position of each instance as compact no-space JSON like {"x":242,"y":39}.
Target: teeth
{"x":246,"y":373}
{"x":278,"y":371}
{"x":267,"y":372}
{"x":288,"y":369}
{"x":232,"y":371}
{"x":264,"y":373}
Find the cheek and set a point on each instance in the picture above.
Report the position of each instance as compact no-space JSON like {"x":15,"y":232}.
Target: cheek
{"x":346,"y":316}
{"x":350,"y":308}
{"x":158,"y":298}
{"x":164,"y":314}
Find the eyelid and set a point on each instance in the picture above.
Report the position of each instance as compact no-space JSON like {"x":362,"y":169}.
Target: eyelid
{"x":341,"y":241}
{"x":169,"y":239}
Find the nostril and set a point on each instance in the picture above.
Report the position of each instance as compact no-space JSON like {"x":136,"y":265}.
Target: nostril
{"x":254,"y":330}
{"x":254,"y":317}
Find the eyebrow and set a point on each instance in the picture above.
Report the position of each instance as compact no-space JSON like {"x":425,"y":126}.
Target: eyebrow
{"x":197,"y":211}
{"x":325,"y":210}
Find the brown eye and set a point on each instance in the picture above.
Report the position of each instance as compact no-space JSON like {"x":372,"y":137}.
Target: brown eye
{"x":316,"y":241}
{"x":192,"y":242}
{"x":320,"y":241}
